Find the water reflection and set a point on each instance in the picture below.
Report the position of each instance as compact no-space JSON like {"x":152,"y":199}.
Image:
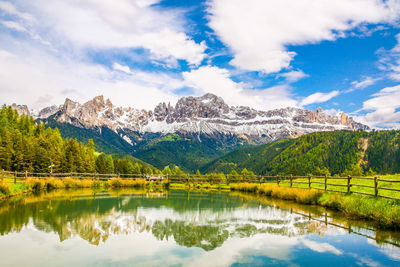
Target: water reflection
{"x":247,"y":228}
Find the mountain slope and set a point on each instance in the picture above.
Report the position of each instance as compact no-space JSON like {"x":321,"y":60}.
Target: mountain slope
{"x":337,"y":152}
{"x":254,"y":157}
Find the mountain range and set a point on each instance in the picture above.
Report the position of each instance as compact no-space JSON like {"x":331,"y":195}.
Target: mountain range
{"x":190,"y":134}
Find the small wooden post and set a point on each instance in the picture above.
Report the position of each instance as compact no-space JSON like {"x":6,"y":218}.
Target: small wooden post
{"x":291,"y":180}
{"x":277,"y":180}
{"x":15,"y":177}
{"x":376,"y":186}
{"x":348,"y":184}
{"x":326,"y":179}
{"x":119,"y":175}
{"x":309,"y":182}
{"x":26,"y":175}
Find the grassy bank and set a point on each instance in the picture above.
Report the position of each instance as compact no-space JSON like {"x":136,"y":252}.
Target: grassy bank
{"x":385,"y":212}
{"x":32,"y":185}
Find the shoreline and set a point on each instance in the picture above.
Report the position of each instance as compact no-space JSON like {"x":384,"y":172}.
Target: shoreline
{"x":384,"y":212}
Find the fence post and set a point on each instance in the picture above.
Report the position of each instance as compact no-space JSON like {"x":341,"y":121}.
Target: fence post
{"x":309,"y":182}
{"x":15,"y":177}
{"x":376,"y":186}
{"x":348,"y":183}
{"x":277,"y":180}
{"x":326,"y":179}
{"x":291,"y":180}
{"x":26,"y":175}
{"x":119,"y":175}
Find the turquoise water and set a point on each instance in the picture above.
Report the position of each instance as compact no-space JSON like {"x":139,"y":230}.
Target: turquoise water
{"x":180,"y":228}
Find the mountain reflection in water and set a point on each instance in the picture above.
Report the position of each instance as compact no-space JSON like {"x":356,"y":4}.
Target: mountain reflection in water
{"x":203,"y":220}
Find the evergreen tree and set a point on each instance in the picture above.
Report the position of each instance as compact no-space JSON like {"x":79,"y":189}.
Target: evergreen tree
{"x":109,"y":164}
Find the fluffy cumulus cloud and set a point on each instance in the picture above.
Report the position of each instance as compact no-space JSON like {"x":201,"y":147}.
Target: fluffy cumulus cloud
{"x":318,"y":98}
{"x":39,"y":79}
{"x":101,"y":24}
{"x":259,"y":31}
{"x":383,"y":108}
{"x":45,"y":45}
{"x":209,"y":79}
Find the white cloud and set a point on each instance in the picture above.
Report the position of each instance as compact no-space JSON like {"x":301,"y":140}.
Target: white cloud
{"x":321,"y":247}
{"x":294,"y":76}
{"x":209,"y":79}
{"x":318,"y":98}
{"x":101,"y":24}
{"x":39,"y":79}
{"x":117,"y":66}
{"x":13,"y":25}
{"x":258,"y":32}
{"x":367,"y":81}
{"x":11,"y":9}
{"x":383,"y":107}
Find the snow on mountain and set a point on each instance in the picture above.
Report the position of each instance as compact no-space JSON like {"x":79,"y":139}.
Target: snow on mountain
{"x":206,"y":115}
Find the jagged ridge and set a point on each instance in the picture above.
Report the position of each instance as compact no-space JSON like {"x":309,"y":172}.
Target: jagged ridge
{"x":206,"y":115}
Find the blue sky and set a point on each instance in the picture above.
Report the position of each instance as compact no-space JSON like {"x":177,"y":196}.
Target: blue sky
{"x":340,"y":55}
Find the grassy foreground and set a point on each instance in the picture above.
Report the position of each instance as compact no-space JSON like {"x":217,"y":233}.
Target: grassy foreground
{"x":32,"y":185}
{"x":385,"y":212}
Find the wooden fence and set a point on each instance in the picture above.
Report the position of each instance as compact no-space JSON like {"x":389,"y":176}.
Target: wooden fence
{"x":325,"y":183}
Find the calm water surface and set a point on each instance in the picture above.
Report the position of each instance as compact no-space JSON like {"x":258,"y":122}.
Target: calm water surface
{"x":180,"y":228}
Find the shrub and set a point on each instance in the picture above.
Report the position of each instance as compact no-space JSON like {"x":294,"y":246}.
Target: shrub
{"x":35,"y":184}
{"x":71,"y":183}
{"x":116,"y":182}
{"x":265,"y":190}
{"x":52,"y":183}
{"x":96,"y":183}
{"x":4,"y":188}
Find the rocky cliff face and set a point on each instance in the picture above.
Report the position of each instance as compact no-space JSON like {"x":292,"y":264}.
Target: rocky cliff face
{"x":207,"y":115}
{"x":22,"y":109}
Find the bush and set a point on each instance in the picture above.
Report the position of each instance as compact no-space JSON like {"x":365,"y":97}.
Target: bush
{"x":35,"y":184}
{"x":96,"y":183}
{"x":53,"y":183}
{"x":71,"y":183}
{"x":265,"y":190}
{"x":4,"y":188}
{"x":117,"y":182}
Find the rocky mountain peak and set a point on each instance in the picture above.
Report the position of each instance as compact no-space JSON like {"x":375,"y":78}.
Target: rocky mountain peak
{"x":69,"y":105}
{"x":207,"y":114}
{"x":21,"y":109}
{"x":207,"y":106}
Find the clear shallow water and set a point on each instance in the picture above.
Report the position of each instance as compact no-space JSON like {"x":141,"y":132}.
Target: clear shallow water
{"x":179,"y":228}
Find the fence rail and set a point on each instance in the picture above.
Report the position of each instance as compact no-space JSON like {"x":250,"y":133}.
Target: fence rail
{"x":326,"y":183}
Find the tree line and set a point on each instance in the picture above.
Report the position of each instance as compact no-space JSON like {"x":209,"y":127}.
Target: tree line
{"x":26,"y":146}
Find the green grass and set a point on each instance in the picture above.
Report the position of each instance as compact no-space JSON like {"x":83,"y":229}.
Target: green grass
{"x":342,"y":184}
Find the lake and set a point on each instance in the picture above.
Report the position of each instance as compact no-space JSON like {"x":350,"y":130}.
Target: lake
{"x":183,"y":228}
